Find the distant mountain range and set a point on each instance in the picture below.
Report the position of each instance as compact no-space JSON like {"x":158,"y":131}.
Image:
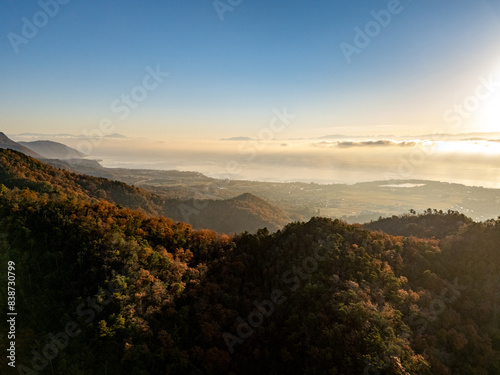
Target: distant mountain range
{"x":52,"y":150}
{"x":56,"y":154}
{"x":65,"y":135}
{"x":115,"y":135}
{"x":6,"y":142}
{"x":40,"y":149}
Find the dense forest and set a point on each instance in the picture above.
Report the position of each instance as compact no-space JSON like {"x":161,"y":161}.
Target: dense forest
{"x":429,"y":224}
{"x":102,"y":288}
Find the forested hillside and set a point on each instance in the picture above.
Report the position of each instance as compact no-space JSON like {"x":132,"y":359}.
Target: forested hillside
{"x":429,"y":224}
{"x":243,"y":213}
{"x":103,"y":289}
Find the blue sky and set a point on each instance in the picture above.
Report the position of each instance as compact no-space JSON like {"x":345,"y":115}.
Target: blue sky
{"x":226,"y":77}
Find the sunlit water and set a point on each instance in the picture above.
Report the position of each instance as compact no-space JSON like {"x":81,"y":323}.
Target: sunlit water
{"x":468,"y":163}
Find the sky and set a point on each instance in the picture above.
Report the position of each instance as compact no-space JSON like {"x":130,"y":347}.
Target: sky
{"x":180,"y":70}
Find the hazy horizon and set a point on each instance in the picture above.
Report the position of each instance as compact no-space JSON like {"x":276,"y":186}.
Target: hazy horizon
{"x":333,"y":159}
{"x":175,"y":78}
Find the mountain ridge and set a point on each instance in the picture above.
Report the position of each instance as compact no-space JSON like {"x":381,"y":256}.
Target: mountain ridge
{"x":7,"y":143}
{"x":243,"y":213}
{"x":52,"y":150}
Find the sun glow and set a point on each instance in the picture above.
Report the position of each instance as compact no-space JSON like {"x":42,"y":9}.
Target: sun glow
{"x":489,"y":117}
{"x":469,"y":147}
